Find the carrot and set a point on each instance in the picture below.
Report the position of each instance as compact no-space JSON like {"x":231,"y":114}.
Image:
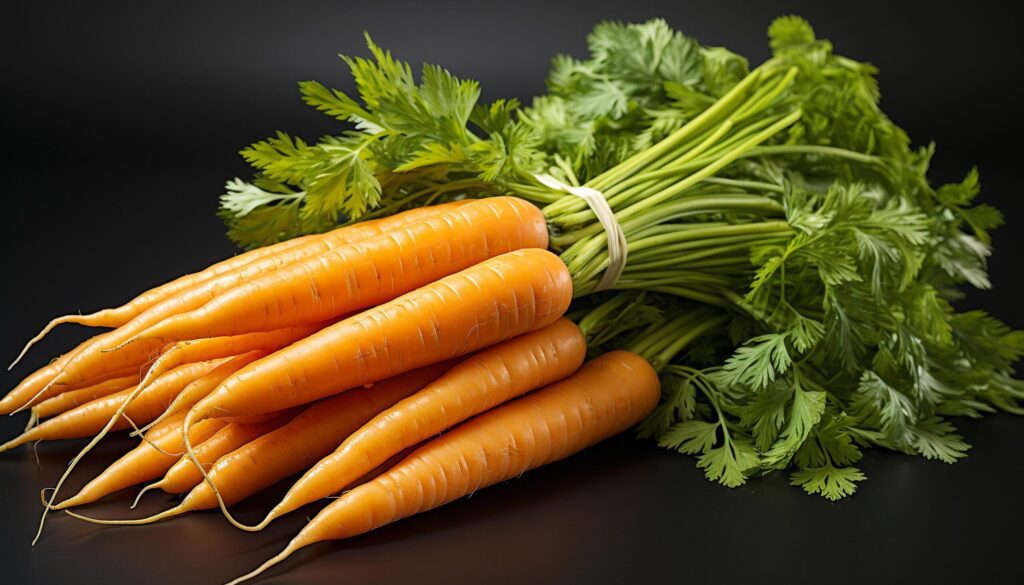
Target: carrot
{"x":68,"y":400}
{"x":21,"y":394}
{"x":198,"y":350}
{"x":495,"y":300}
{"x":478,"y":384}
{"x":37,"y":386}
{"x":346,"y":279}
{"x":295,"y":446}
{"x":119,"y":316}
{"x":183,"y":476}
{"x":331,"y":294}
{"x":607,"y":396}
{"x":145,"y":462}
{"x":152,"y":402}
{"x":88,"y":419}
{"x":197,"y":389}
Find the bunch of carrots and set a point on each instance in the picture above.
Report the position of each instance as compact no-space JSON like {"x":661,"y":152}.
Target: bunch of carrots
{"x":410,"y":360}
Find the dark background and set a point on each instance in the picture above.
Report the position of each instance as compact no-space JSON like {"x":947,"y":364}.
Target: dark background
{"x":121,"y":122}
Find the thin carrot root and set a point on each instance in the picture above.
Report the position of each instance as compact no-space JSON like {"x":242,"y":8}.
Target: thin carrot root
{"x":39,"y":336}
{"x":74,"y":462}
{"x":141,"y":433}
{"x":122,"y":344}
{"x":152,"y":486}
{"x":32,"y":401}
{"x":159,"y":449}
{"x":169,"y":513}
{"x":35,"y":452}
{"x":191,"y":454}
{"x":270,"y":563}
{"x":33,"y":420}
{"x":42,"y":496}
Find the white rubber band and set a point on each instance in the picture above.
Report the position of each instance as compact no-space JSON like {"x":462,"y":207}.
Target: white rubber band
{"x":616,"y":237}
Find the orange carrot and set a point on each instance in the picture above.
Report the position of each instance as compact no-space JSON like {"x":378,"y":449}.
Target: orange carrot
{"x":495,"y":300}
{"x":276,"y":254}
{"x":152,"y":402}
{"x":145,"y":462}
{"x":36,"y":387}
{"x":607,"y":396}
{"x":295,"y":446}
{"x":198,"y":350}
{"x":20,"y":395}
{"x":68,"y":400}
{"x":478,"y":384}
{"x":183,"y":476}
{"x":88,"y":419}
{"x":197,"y":389}
{"x":330,"y":294}
{"x":346,"y":279}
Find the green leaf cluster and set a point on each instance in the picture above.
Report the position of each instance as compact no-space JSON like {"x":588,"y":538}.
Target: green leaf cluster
{"x":409,"y":142}
{"x":641,"y":82}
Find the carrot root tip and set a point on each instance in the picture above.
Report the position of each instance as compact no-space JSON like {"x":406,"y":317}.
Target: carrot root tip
{"x":266,"y":565}
{"x":138,"y":497}
{"x":49,"y":327}
{"x":32,"y":401}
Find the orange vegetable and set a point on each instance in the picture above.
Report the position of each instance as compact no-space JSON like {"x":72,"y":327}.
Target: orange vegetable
{"x":144,"y":462}
{"x":476,"y":385}
{"x":68,"y":400}
{"x":88,"y":419}
{"x":198,"y":350}
{"x":197,"y":389}
{"x":295,"y":446}
{"x":183,"y":476}
{"x":138,"y":404}
{"x":321,"y":286}
{"x":230,"y":270}
{"x":607,"y":396}
{"x":485,"y":304}
{"x":37,"y":387}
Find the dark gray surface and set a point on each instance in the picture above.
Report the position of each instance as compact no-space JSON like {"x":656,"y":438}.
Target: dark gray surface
{"x":121,"y":122}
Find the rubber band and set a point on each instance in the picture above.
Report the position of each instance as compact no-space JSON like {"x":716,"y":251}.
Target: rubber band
{"x":616,"y":237}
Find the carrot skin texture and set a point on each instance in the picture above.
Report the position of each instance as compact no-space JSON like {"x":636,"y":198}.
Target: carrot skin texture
{"x":314,"y":433}
{"x":183,"y":476}
{"x":485,"y":304}
{"x":201,"y":387}
{"x":68,"y":400}
{"x":89,"y":418}
{"x":32,"y":384}
{"x":478,"y":384}
{"x":198,"y":350}
{"x":143,"y":463}
{"x":605,"y":397}
{"x":92,"y":359}
{"x":366,"y":273}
